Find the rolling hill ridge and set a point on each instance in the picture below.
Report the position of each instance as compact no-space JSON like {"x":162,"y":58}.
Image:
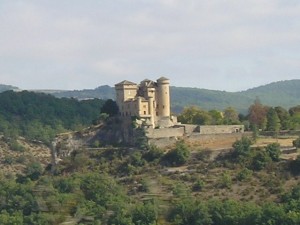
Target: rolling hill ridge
{"x":281,"y":93}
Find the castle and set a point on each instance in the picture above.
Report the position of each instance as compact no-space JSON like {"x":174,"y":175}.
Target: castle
{"x":149,"y":102}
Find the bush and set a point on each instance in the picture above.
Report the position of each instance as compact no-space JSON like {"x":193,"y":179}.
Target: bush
{"x":153,"y":153}
{"x":244,"y":174}
{"x":15,"y":146}
{"x":295,"y":166}
{"x":274,"y":151}
{"x":225,"y":181}
{"x":261,"y":159}
{"x":198,"y":185}
{"x":179,"y":155}
{"x":34,"y":170}
{"x":241,"y":148}
{"x":296,"y":143}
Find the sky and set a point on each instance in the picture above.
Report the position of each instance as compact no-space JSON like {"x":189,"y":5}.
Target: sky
{"x":227,"y":45}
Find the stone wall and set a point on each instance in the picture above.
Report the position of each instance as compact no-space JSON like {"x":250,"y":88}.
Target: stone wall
{"x":221,"y":129}
{"x":164,"y":132}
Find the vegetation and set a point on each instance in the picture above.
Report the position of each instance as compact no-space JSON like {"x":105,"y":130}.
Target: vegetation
{"x":128,"y":186}
{"x":38,"y":116}
{"x":283,"y":93}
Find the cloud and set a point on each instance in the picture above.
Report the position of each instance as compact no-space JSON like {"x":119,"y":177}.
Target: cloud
{"x":201,"y":43}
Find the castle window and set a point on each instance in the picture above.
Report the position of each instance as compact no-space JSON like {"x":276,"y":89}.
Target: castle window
{"x":144,"y":112}
{"x":163,"y":106}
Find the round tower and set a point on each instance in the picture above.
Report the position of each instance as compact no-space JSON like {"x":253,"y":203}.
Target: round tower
{"x":163,"y":97}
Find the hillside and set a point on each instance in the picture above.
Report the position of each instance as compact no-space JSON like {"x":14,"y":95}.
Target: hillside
{"x":4,"y":87}
{"x":39,"y":116}
{"x":119,"y":185}
{"x":281,"y":93}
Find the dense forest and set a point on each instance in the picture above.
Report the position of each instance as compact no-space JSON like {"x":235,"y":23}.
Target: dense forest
{"x":39,"y":116}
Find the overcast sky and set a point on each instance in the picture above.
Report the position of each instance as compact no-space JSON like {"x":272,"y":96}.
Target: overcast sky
{"x":227,"y":45}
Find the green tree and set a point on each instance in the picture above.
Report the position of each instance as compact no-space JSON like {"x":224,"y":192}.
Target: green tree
{"x":242,"y":147}
{"x":179,"y":155}
{"x":284,"y":117}
{"x":195,"y":115}
{"x":231,"y":116}
{"x":188,"y":211}
{"x":145,"y":214}
{"x":273,"y":121}
{"x":261,"y":159}
{"x":274,"y":151}
{"x":296,"y":143}
{"x":110,"y":107}
{"x":34,"y":170}
{"x":216,"y":117}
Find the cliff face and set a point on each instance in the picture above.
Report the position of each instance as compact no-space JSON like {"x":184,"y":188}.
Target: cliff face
{"x":113,"y":132}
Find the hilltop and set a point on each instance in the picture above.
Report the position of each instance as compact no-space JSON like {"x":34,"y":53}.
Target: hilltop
{"x":281,"y":93}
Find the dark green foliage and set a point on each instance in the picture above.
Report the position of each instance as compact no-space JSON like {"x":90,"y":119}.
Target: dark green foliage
{"x":198,"y":185}
{"x":226,"y":212}
{"x":101,"y":189}
{"x":40,"y":116}
{"x":295,"y":166}
{"x":144,"y":214}
{"x":179,"y":155}
{"x":284,"y":117}
{"x":274,"y":151}
{"x":244,"y":174}
{"x":153,"y":153}
{"x":190,"y":212}
{"x":34,"y":170}
{"x":284,"y":93}
{"x":260,"y":159}
{"x":296,"y":143}
{"x":241,"y":148}
{"x":273,"y":121}
{"x":110,"y":107}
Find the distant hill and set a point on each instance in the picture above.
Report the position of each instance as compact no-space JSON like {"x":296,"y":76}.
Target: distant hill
{"x":281,"y":93}
{"x":102,"y":92}
{"x":4,"y":87}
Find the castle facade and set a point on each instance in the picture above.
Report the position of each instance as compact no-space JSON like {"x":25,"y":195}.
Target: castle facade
{"x":148,"y":101}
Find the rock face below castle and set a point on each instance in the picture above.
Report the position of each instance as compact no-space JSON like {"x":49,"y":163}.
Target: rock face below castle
{"x":148,"y":101}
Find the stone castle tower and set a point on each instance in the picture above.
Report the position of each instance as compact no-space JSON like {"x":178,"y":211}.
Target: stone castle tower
{"x":149,"y":101}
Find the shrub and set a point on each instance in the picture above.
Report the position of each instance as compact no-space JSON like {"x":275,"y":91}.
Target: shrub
{"x":34,"y":170}
{"x":198,"y":185}
{"x":179,"y":155}
{"x":241,"y":148}
{"x":15,"y":146}
{"x":260,"y":159}
{"x":153,"y":153}
{"x":274,"y":151}
{"x":244,"y":174}
{"x":295,"y":166}
{"x":296,"y":143}
{"x":225,"y":181}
